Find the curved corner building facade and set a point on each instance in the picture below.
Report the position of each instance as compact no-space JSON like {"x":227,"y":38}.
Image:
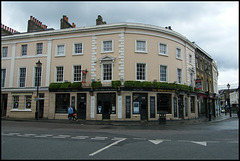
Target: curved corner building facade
{"x":102,"y":53}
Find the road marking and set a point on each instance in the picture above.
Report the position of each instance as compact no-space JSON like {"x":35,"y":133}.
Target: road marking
{"x":61,"y":136}
{"x":156,"y":141}
{"x":80,"y":137}
{"x":99,"y":138}
{"x":204,"y":143}
{"x":139,"y":139}
{"x":116,"y":142}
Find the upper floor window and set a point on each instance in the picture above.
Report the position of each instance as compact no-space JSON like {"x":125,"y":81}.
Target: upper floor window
{"x":22,"y":77}
{"x":78,"y":48}
{"x":38,"y":76}
{"x":5,"y":52}
{"x":3,"y":77}
{"x":107,"y":72}
{"x":77,"y":73}
{"x":107,"y":46}
{"x":141,"y":72}
{"x":163,"y":73}
{"x":141,"y":46}
{"x":179,"y":75}
{"x":190,"y":58}
{"x":163,"y":49}
{"x":39,"y":48}
{"x":59,"y":74}
{"x":60,"y":50}
{"x":196,"y":59}
{"x":178,"y":53}
{"x":24,"y":50}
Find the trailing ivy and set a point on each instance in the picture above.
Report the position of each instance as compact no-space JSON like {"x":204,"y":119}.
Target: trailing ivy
{"x":96,"y":84}
{"x":65,"y":85}
{"x":116,"y":84}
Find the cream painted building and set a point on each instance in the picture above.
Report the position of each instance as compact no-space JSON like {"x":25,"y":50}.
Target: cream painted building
{"x":101,"y":53}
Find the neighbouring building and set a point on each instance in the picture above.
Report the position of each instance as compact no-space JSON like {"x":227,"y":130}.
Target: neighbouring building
{"x":121,"y":72}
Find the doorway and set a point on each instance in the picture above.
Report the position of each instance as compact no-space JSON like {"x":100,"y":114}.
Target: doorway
{"x":106,"y":104}
{"x":140,"y":105}
{"x":81,"y":106}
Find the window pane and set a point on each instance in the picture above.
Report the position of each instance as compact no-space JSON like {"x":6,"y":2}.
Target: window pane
{"x":24,"y":50}
{"x":60,"y":50}
{"x":3,"y":77}
{"x":179,"y":75}
{"x":141,"y":71}
{"x":22,"y":77}
{"x":28,"y":100}
{"x":163,"y":73}
{"x":141,"y":45}
{"x":77,"y":73}
{"x":38,"y":72}
{"x":107,"y":71}
{"x":62,"y":102}
{"x":39,"y":48}
{"x":78,"y":48}
{"x":5,"y":51}
{"x":163,"y":49}
{"x":107,"y":45}
{"x":164,"y":103}
{"x":59,"y":74}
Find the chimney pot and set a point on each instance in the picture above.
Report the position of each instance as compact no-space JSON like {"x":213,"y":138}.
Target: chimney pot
{"x":31,"y":17}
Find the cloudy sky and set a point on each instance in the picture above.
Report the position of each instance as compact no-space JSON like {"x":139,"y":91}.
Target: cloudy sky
{"x":214,"y":26}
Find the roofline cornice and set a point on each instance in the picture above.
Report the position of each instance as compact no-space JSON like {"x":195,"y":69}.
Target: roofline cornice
{"x":97,"y":28}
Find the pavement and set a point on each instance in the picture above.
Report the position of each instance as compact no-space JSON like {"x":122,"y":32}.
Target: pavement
{"x":201,"y":120}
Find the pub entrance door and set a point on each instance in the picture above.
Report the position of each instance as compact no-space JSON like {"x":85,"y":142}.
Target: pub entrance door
{"x":180,"y":106}
{"x":81,"y":106}
{"x":140,"y":105}
{"x":106,"y":104}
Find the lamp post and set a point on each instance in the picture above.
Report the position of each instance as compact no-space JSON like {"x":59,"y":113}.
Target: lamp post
{"x":228,"y":100}
{"x":38,"y":68}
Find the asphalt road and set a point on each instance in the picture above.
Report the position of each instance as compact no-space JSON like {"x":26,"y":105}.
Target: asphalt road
{"x":42,"y":140}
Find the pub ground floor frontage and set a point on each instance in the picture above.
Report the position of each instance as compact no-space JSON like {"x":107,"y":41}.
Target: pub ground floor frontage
{"x":103,"y":104}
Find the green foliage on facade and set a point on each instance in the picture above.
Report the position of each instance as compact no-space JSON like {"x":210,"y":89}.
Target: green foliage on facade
{"x":96,"y":84}
{"x":65,"y":85}
{"x":116,"y":84}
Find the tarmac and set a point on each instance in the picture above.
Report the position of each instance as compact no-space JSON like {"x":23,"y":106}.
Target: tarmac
{"x":131,"y":124}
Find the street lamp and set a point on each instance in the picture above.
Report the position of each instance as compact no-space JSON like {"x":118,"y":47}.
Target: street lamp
{"x":228,"y":100}
{"x":38,"y":68}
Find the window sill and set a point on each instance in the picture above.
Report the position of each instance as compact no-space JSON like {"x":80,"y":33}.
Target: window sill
{"x":77,"y":54}
{"x":141,"y":52}
{"x":163,"y":54}
{"x":22,"y":110}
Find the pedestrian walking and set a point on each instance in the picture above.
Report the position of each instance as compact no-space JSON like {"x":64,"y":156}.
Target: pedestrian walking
{"x":74,"y":114}
{"x":70,"y":113}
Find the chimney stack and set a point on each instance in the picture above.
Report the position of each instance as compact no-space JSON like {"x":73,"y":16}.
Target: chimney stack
{"x":5,"y":30}
{"x":65,"y":24}
{"x":35,"y":25}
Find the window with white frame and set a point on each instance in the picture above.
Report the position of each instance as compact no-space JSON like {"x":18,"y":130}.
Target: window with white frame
{"x":178,"y":53}
{"x":78,"y":48}
{"x":60,"y":50}
{"x":163,"y":73}
{"x":39,"y":48}
{"x":162,"y":49}
{"x":179,"y":75}
{"x":3,"y":77}
{"x":15,"y":102}
{"x":5,"y":52}
{"x":107,"y":46}
{"x":38,"y":75}
{"x":22,"y":77}
{"x":59,"y":74}
{"x":141,"y":72}
{"x":190,"y":58}
{"x":107,"y":72}
{"x":191,"y":79}
{"x":24,"y":50}
{"x":196,"y":60}
{"x":77,"y":73}
{"x":141,"y":46}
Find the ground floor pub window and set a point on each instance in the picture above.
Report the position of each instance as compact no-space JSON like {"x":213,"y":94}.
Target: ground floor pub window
{"x":192,"y":101}
{"x":128,"y":106}
{"x":15,"y":102}
{"x":164,"y":103}
{"x":62,"y":102}
{"x":28,"y":100}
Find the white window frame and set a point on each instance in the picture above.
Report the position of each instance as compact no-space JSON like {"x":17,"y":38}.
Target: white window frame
{"x":74,"y":73}
{"x":19,"y":77}
{"x":102,"y":49}
{"x":166,"y":73}
{"x":190,"y":59}
{"x":140,"y":51}
{"x":35,"y":78}
{"x":178,"y":56}
{"x":64,"y":51}
{"x":73,"y":50}
{"x":102,"y":71}
{"x":166,"y":45}
{"x":56,"y":74}
{"x":4,"y":51}
{"x":180,"y":76}
{"x":24,"y":51}
{"x":144,"y":72}
{"x":37,"y":49}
